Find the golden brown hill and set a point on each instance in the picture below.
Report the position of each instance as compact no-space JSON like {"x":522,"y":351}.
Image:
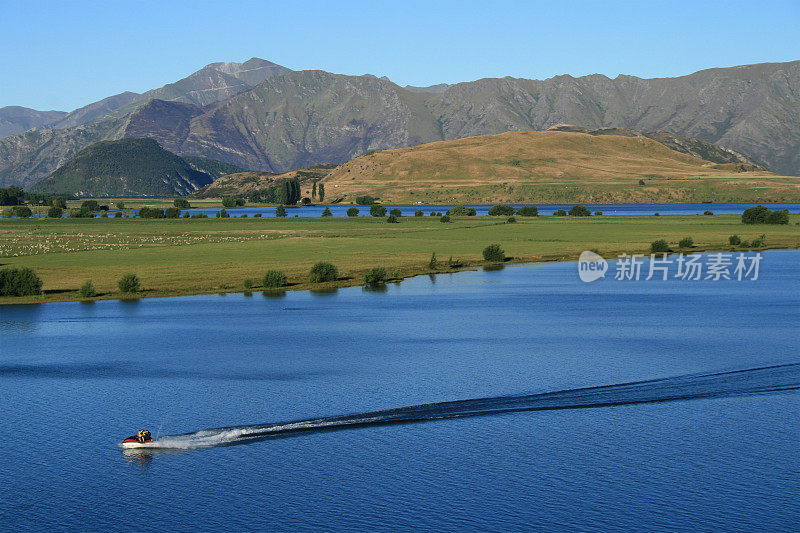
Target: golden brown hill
{"x":550,"y":167}
{"x":240,"y":184}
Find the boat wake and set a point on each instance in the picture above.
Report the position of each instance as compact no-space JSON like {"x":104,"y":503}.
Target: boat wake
{"x":761,"y":380}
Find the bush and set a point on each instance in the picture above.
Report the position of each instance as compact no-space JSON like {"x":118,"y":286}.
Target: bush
{"x":580,"y":210}
{"x":641,"y":182}
{"x":55,"y":212}
{"x":376,"y":276}
{"x":305,"y":201}
{"x":172,"y":212}
{"x":396,"y":212}
{"x":461,"y":211}
{"x":327,"y":212}
{"x":759,"y":241}
{"x":377,"y":210}
{"x":19,"y":282}
{"x":223,"y":213}
{"x":494,"y":253}
{"x":734,"y":240}
{"x":273,"y":279}
{"x":392,"y":219}
{"x":707,"y":212}
{"x":90,"y":205}
{"x":511,"y":220}
{"x":149,"y":212}
{"x":686,"y":242}
{"x":764,"y":215}
{"x":433,"y":263}
{"x":560,"y":213}
{"x":80,"y":213}
{"x":202,"y":215}
{"x":280,"y":211}
{"x":243,"y":215}
{"x":434,"y":214}
{"x":248,"y":283}
{"x":365,"y":200}
{"x":21,"y":211}
{"x":87,"y":290}
{"x":418,"y":213}
{"x":257,"y":215}
{"x":120,"y":205}
{"x":104,"y":215}
{"x":129,"y":283}
{"x":352,"y":212}
{"x":118,"y":214}
{"x":528,"y":211}
{"x":445,"y":218}
{"x":659,"y":246}
{"x":229,"y":202}
{"x":598,"y":213}
{"x":323,"y":271}
{"x":501,"y":210}
{"x":180,"y":203}
{"x":745,"y":244}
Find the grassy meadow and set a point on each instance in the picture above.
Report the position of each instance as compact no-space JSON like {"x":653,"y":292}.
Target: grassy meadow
{"x":192,"y":256}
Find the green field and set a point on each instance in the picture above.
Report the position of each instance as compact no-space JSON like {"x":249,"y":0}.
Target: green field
{"x":191,"y":256}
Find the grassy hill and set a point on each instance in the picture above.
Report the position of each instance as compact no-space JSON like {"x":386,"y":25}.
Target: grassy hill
{"x":551,"y":167}
{"x":129,"y":167}
{"x":242,"y":183}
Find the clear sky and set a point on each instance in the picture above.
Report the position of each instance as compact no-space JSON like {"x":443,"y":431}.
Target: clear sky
{"x":68,"y":53}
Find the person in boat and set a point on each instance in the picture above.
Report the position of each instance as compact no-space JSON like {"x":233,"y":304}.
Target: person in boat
{"x":143,"y":435}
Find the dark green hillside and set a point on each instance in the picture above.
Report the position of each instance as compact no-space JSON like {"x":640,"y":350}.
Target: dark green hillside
{"x":127,"y":167}
{"x":212,"y":167}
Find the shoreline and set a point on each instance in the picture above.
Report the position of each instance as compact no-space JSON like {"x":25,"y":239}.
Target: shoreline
{"x":353,"y":280}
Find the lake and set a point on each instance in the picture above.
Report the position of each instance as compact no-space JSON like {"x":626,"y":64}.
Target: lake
{"x":612,"y":405}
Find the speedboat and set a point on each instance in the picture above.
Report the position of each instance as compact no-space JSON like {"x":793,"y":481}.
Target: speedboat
{"x":134,"y":441}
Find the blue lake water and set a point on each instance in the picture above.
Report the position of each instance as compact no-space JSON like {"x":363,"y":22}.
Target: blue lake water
{"x":710,"y":443}
{"x":544,"y":209}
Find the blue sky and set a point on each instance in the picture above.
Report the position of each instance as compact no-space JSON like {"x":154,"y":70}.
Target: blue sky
{"x":65,"y":54}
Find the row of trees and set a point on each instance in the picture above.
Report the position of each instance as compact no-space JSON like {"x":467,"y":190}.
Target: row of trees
{"x":286,"y":192}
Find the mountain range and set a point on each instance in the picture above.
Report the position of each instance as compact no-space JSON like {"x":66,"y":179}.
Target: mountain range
{"x":261,"y":116}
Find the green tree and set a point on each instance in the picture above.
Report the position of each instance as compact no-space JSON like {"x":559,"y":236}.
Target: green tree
{"x":511,"y":220}
{"x":396,"y":212}
{"x":659,"y":245}
{"x":707,"y":212}
{"x":327,"y":212}
{"x":376,"y":276}
{"x":764,"y":215}
{"x":55,"y":212}
{"x":280,"y":211}
{"x":129,"y":283}
{"x":734,"y":240}
{"x":501,"y":210}
{"x":321,"y":190}
{"x":445,"y":218}
{"x":686,"y":242}
{"x":21,"y":281}
{"x":461,"y":211}
{"x":314,"y":190}
{"x":559,"y":213}
{"x":579,"y":210}
{"x":172,"y":212}
{"x":377,"y":210}
{"x":181,"y":203}
{"x":59,"y":201}
{"x":87,"y":290}
{"x":392,"y":219}
{"x":433,"y":264}
{"x":494,"y":253}
{"x":229,"y":202}
{"x":21,"y":211}
{"x":528,"y":211}
{"x":418,"y":213}
{"x":352,"y":212}
{"x":273,"y":279}
{"x":322,"y":272}
{"x":90,"y":205}
{"x":365,"y":200}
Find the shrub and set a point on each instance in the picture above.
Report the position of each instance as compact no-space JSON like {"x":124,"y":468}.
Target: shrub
{"x":598,"y":213}
{"x":223,"y":213}
{"x":434,"y":214}
{"x":392,"y":219}
{"x":433,"y":263}
{"x":129,"y":283}
{"x":248,"y":283}
{"x":511,"y":220}
{"x":257,"y":215}
{"x":560,"y":213}
{"x":659,"y":245}
{"x":365,"y":200}
{"x":641,"y":182}
{"x":396,"y":212}
{"x":80,"y":213}
{"x":377,"y":210}
{"x":764,"y":215}
{"x":734,"y":240}
{"x":90,"y":205}
{"x":352,"y":212}
{"x":118,"y":214}
{"x":418,"y":213}
{"x":280,"y":211}
{"x":273,"y":279}
{"x":19,"y":282}
{"x":180,"y":203}
{"x":305,"y":201}
{"x":745,"y":244}
{"x":104,"y":215}
{"x":461,"y":211}
{"x":580,"y":210}
{"x":528,"y":211}
{"x":501,"y":210}
{"x":150,"y":212}
{"x":21,"y":211}
{"x":172,"y":212}
{"x":759,"y":241}
{"x":59,"y":201}
{"x":707,"y":212}
{"x":120,"y":205}
{"x":55,"y":212}
{"x":686,"y":242}
{"x":778,"y":217}
{"x":229,"y":202}
{"x":87,"y":290}
{"x":445,"y":218}
{"x":376,"y":276}
{"x":323,"y":271}
{"x":243,"y":215}
{"x":494,"y":253}
{"x":656,"y":214}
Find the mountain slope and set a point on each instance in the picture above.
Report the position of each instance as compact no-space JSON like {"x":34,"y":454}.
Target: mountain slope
{"x":126,"y":167}
{"x":549,"y":167}
{"x":15,"y":119}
